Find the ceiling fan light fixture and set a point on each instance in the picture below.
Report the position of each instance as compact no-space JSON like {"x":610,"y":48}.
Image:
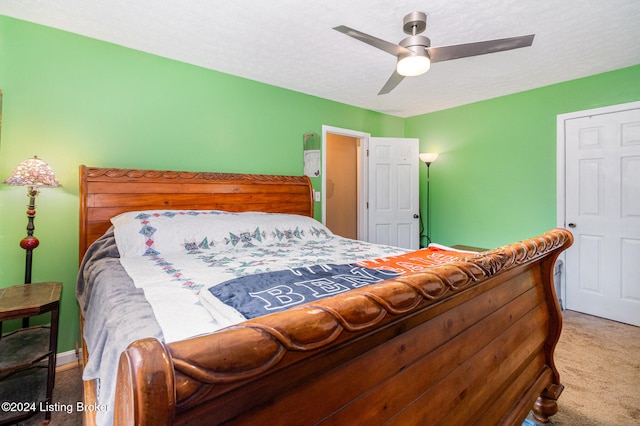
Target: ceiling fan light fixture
{"x":412,"y":65}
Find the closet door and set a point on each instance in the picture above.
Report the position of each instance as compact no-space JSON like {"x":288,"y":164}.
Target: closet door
{"x":602,"y":210}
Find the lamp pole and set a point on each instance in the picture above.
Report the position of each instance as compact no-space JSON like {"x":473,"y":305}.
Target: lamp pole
{"x":428,"y":207}
{"x":29,"y":243}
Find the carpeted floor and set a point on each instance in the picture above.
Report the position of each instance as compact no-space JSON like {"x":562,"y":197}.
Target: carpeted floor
{"x":598,"y":360}
{"x":66,"y":394}
{"x":599,"y":365}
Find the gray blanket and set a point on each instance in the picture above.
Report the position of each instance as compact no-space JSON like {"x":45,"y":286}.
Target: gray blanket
{"x":115,"y":312}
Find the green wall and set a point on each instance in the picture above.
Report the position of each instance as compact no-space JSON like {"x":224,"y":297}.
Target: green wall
{"x":495,"y":179}
{"x":73,"y":100}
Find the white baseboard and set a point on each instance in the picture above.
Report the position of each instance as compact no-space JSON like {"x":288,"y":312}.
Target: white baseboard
{"x":69,"y":357}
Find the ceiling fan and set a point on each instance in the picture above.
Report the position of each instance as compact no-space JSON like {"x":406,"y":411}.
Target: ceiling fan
{"x":415,"y":55}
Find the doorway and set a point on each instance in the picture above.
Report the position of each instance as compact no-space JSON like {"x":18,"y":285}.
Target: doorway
{"x":598,"y":157}
{"x":343,"y":176}
{"x":342,"y":185}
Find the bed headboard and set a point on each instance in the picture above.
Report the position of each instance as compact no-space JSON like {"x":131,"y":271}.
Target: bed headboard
{"x":106,"y":192}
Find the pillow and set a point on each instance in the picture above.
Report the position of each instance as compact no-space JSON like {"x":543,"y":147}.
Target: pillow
{"x":152,"y":232}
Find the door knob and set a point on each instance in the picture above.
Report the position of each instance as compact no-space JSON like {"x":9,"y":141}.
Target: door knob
{"x":415,"y":216}
{"x":572,"y":225}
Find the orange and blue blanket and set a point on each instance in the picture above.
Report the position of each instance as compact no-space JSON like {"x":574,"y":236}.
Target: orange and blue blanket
{"x":268,"y":292}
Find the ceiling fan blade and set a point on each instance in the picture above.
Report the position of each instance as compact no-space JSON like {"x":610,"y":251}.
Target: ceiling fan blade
{"x":394,"y":49}
{"x":393,"y":81}
{"x":446,"y":53}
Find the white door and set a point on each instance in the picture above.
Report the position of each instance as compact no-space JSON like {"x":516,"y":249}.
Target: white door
{"x":602,"y":210}
{"x":393,"y":217}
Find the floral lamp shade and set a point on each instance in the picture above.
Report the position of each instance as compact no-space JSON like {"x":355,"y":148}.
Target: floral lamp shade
{"x":33,"y":172}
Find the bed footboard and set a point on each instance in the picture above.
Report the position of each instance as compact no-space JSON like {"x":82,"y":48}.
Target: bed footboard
{"x":477,"y":334}
{"x":146,"y":389}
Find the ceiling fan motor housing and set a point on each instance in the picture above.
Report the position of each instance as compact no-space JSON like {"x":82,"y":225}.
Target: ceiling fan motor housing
{"x":418,"y":44}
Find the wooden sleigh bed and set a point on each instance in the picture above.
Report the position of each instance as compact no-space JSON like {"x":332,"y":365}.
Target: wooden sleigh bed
{"x":471,"y":342}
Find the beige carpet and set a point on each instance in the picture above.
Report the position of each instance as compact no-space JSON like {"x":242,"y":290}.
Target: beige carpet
{"x":66,"y":394}
{"x":599,"y":365}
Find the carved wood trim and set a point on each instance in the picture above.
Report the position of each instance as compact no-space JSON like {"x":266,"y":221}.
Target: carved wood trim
{"x":111,"y":174}
{"x":262,"y":343}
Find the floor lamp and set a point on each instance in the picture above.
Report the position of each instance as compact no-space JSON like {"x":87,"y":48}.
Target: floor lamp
{"x":34,"y":174}
{"x":428,"y":158}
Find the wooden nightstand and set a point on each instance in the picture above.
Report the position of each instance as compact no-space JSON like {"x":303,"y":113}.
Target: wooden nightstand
{"x":28,"y":355}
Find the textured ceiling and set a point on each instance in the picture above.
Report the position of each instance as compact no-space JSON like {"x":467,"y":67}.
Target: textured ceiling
{"x":291,"y":44}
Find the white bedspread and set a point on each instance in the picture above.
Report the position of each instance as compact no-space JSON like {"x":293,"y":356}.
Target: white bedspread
{"x":202,"y":249}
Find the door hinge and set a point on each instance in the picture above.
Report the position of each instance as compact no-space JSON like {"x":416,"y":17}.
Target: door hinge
{"x":367,"y":204}
{"x":367,"y":152}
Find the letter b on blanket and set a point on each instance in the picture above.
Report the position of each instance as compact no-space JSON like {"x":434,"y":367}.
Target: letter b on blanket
{"x":278,"y":297}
